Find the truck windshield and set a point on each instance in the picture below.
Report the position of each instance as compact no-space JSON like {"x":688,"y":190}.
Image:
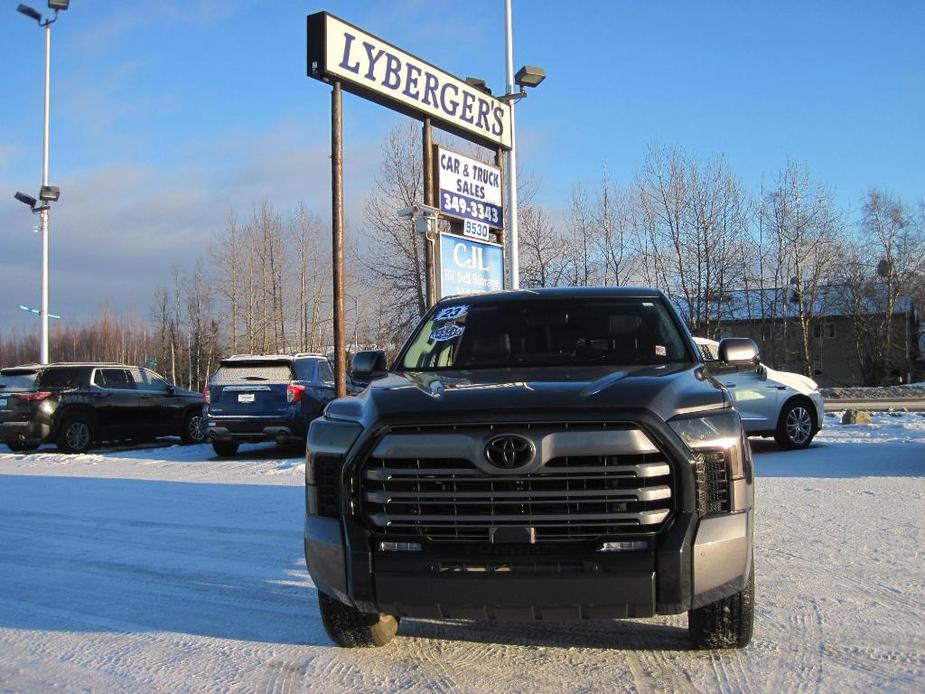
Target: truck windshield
{"x":546,"y":332}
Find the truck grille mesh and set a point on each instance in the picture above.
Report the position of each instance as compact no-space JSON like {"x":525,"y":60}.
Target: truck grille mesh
{"x":712,"y":480}
{"x":570,"y":498}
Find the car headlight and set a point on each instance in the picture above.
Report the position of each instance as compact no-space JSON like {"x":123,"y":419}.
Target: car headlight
{"x":712,"y":436}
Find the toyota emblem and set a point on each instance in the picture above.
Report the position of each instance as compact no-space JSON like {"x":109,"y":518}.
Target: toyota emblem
{"x":509,"y":451}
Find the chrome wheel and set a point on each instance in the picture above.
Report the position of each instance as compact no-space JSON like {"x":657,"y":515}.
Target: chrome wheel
{"x":77,"y":436}
{"x":196,"y":428}
{"x":799,"y":425}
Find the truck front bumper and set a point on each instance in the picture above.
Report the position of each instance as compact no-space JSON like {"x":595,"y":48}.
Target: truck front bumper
{"x":694,"y":562}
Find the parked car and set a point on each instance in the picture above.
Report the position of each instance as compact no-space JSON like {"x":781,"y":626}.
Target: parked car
{"x":77,"y":404}
{"x":552,"y":454}
{"x":255,"y":398}
{"x":785,"y":405}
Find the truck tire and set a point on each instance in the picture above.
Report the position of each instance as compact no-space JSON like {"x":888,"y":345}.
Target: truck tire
{"x":796,"y":425}
{"x":350,"y":628}
{"x":726,"y":623}
{"x":75,"y":434}
{"x":194,"y":429}
{"x":225,"y":449}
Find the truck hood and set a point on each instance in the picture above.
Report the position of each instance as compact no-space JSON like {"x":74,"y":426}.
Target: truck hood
{"x":427,"y":396}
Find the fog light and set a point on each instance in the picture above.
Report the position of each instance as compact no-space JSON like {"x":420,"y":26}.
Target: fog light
{"x":630,"y":546}
{"x":400,"y":546}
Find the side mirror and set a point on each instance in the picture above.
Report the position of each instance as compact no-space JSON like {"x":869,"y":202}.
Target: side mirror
{"x":367,"y":364}
{"x":739,"y":353}
{"x":171,"y":389}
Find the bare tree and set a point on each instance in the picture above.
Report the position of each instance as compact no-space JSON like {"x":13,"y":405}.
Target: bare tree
{"x":807,"y":232}
{"x":394,"y":254}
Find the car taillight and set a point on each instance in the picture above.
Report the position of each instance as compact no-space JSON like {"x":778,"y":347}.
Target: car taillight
{"x":294,"y":393}
{"x":206,"y":395}
{"x":34,"y":397}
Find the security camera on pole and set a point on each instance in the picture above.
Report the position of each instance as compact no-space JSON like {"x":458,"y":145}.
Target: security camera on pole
{"x":47,"y":193}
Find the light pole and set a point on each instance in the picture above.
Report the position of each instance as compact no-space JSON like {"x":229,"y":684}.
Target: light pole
{"x":526,"y":77}
{"x":513,"y":242}
{"x":48,"y":193}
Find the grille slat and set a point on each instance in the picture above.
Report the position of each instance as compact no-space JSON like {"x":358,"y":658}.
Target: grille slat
{"x":629,"y":471}
{"x":570,"y":498}
{"x":539,"y":497}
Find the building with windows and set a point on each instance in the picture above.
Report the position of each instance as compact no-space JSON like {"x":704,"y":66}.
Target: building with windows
{"x":851,"y":336}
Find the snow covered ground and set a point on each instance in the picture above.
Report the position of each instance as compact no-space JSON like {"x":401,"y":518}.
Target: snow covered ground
{"x":168,"y":569}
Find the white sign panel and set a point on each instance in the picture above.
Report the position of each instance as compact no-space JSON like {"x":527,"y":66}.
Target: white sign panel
{"x":375,"y":69}
{"x":469,"y":190}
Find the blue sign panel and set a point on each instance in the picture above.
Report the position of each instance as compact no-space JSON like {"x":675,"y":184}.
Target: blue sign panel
{"x":469,"y":267}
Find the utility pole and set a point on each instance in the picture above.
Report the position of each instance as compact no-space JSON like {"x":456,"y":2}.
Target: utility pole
{"x":511,"y":178}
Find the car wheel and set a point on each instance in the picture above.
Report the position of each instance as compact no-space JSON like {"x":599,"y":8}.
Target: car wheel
{"x":350,"y":628}
{"x":194,"y":428}
{"x":225,"y":449}
{"x":796,"y":425}
{"x":726,"y":623}
{"x":75,"y":435}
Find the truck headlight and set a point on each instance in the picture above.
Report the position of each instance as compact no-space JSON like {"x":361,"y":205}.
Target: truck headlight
{"x":713,"y":435}
{"x":328,"y":444}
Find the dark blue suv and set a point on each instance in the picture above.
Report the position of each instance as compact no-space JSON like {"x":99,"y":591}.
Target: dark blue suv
{"x":265,"y":398}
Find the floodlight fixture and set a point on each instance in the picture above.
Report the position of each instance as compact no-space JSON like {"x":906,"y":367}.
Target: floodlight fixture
{"x":59,"y":5}
{"x":30,"y":13}
{"x":26,"y":199}
{"x":478,"y":84}
{"x":49,"y":193}
{"x":529,"y":76}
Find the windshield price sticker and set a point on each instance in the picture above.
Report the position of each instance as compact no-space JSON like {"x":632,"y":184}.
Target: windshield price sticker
{"x":447,"y":332}
{"x":451,"y":313}
{"x":469,"y":190}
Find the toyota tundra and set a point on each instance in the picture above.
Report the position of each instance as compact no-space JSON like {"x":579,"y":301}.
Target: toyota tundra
{"x":548,"y":455}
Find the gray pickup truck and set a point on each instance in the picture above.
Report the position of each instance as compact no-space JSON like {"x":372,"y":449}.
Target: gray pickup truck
{"x":551,"y":455}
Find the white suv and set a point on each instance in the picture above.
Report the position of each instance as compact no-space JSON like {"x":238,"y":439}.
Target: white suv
{"x":781,"y":404}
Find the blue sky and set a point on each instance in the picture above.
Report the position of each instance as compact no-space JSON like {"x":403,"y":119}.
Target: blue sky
{"x":166,"y":115}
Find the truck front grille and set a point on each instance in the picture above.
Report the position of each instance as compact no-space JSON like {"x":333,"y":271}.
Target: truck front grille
{"x":570,"y":498}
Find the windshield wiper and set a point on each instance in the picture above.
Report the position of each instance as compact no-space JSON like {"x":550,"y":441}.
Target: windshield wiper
{"x":255,"y":378}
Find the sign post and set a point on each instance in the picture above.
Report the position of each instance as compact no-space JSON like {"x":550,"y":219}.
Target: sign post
{"x":351,"y":59}
{"x":337,"y":238}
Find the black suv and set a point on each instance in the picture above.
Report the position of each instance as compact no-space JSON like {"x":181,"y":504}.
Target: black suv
{"x":558,"y":454}
{"x":266,"y":398}
{"x":77,"y":404}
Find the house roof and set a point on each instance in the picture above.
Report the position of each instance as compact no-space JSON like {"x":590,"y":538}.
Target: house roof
{"x":778,"y":302}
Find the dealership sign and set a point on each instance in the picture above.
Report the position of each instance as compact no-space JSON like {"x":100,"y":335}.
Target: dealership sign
{"x":469,"y":190}
{"x":377,"y":70}
{"x":469,"y":267}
